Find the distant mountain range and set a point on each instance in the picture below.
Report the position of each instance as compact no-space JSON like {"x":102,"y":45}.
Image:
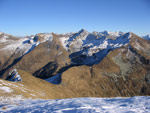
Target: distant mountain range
{"x":81,"y":64}
{"x":147,"y":37}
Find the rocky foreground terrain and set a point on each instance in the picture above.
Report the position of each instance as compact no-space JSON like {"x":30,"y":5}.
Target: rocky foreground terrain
{"x":82,"y":64}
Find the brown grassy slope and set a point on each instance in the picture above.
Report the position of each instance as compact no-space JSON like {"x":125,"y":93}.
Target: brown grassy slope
{"x":106,"y":79}
{"x":121,"y":73}
{"x":31,"y":87}
{"x":141,"y":45}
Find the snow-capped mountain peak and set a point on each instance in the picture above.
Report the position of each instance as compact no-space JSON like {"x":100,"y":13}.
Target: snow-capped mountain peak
{"x":116,"y":34}
{"x":43,"y":37}
{"x":90,"y":45}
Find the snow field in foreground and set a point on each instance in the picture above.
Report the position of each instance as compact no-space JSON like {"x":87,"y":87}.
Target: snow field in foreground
{"x":138,"y":104}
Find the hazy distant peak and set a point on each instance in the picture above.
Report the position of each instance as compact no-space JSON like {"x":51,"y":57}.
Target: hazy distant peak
{"x":147,"y":37}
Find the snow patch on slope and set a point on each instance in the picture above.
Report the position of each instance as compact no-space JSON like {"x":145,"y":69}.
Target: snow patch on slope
{"x":64,"y":41}
{"x":5,"y":89}
{"x":4,"y":39}
{"x":45,"y":37}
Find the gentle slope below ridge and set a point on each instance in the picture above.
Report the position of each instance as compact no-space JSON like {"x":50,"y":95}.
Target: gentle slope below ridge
{"x":29,"y":87}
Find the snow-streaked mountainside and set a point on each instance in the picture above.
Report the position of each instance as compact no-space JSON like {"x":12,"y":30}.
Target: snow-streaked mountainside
{"x":89,"y":43}
{"x":91,"y":48}
{"x":85,"y":42}
{"x":77,"y":105}
{"x":80,"y":48}
{"x":84,"y":47}
{"x":21,"y":45}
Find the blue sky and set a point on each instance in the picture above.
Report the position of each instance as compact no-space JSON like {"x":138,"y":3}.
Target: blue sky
{"x":26,"y":17}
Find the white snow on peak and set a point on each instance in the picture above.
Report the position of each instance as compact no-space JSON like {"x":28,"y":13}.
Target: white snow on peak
{"x":94,"y":40}
{"x":75,"y":40}
{"x":22,"y":45}
{"x":64,"y":42}
{"x":4,"y":38}
{"x":110,"y":34}
{"x":116,"y":34}
{"x":13,"y":45}
{"x":103,"y":45}
{"x":87,"y":47}
{"x":46,"y":37}
{"x":88,"y":44}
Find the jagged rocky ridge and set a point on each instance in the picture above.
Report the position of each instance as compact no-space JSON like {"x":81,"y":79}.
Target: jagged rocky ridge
{"x":82,"y":63}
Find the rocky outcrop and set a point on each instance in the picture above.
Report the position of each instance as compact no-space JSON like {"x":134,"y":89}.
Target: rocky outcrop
{"x":14,"y":76}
